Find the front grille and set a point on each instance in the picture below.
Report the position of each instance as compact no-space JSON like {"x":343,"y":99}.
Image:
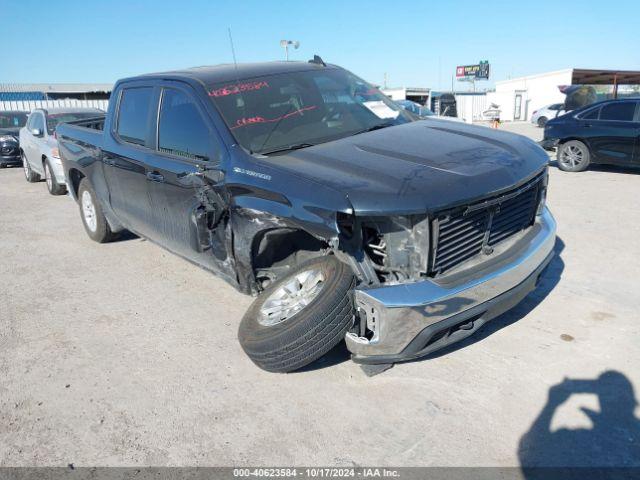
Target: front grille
{"x":470,"y":230}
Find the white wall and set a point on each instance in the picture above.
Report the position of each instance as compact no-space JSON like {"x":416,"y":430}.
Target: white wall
{"x":505,"y":102}
{"x":470,"y":107}
{"x":395,"y":93}
{"x":536,"y":90}
{"x":29,"y":105}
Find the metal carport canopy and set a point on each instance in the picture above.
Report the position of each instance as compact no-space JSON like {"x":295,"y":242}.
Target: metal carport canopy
{"x":582,"y":76}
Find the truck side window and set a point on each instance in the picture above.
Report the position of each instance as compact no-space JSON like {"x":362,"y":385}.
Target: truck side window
{"x":38,"y":122}
{"x":182,"y":131}
{"x":133,"y":114}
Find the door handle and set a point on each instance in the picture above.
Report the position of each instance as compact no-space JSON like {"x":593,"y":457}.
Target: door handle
{"x":155,"y":177}
{"x":586,"y":125}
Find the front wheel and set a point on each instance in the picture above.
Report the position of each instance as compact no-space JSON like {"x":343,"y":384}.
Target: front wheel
{"x":300,"y":317}
{"x":542,"y":121}
{"x":52,"y":184}
{"x":94,"y":221}
{"x":573,"y":156}
{"x":29,"y":174}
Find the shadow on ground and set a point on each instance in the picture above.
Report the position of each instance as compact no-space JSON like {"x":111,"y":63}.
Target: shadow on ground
{"x":126,"y":235}
{"x":614,"y":440}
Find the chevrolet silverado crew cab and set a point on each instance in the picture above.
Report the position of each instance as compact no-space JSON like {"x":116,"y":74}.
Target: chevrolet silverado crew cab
{"x":303,"y":185}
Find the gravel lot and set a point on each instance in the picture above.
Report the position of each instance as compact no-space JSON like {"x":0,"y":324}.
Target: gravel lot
{"x":123,"y":354}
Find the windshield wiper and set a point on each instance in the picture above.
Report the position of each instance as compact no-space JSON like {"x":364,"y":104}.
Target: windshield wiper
{"x":288,"y":148}
{"x":374,"y":127}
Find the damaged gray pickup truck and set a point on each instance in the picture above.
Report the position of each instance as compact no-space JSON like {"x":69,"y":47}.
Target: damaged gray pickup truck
{"x":303,"y":185}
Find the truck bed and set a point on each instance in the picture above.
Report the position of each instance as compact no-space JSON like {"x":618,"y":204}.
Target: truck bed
{"x":84,"y":133}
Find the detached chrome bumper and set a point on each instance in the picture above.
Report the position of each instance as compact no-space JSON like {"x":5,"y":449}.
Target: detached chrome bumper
{"x":414,"y":319}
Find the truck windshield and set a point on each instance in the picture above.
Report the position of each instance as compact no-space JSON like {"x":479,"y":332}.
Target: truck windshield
{"x":54,"y":119}
{"x":291,"y":110}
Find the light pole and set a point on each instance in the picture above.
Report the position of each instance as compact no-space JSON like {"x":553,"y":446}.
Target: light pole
{"x":285,"y":44}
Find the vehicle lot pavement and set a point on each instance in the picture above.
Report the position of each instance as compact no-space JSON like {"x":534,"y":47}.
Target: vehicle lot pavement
{"x":123,"y":354}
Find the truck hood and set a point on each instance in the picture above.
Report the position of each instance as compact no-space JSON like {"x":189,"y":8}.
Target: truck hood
{"x":419,"y":166}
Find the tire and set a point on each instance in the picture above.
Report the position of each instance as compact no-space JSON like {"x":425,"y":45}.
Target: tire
{"x":94,"y":221}
{"x":542,"y":121}
{"x":573,"y":156}
{"x":29,"y":174}
{"x":52,"y":184}
{"x":308,"y":333}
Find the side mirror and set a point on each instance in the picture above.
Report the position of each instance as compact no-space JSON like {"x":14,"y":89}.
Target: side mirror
{"x":36,"y":132}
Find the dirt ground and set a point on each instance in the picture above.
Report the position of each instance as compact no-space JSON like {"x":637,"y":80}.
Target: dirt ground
{"x":123,"y":354}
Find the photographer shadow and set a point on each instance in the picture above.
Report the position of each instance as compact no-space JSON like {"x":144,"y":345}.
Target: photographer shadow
{"x":614,"y":440}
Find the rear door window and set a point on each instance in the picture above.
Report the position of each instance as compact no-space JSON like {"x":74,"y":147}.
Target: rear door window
{"x":133,"y":114}
{"x":620,"y":111}
{"x":181,"y":129}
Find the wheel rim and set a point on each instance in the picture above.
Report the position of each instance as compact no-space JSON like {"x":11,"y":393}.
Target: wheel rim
{"x":572,"y":156}
{"x":25,"y":166}
{"x":291,"y":297}
{"x":47,"y":176}
{"x":89,"y":211}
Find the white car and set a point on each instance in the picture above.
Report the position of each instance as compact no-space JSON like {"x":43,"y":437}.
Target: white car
{"x":542,"y":115}
{"x":39,"y":146}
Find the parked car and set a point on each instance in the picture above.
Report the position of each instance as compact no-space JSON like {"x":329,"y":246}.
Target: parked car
{"x":544,"y":114}
{"x":10,"y":124}
{"x":306,"y":186}
{"x":39,"y":146}
{"x":421,"y":111}
{"x":604,"y":132}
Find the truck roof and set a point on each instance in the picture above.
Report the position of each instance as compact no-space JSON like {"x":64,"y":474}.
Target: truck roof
{"x":229,"y":72}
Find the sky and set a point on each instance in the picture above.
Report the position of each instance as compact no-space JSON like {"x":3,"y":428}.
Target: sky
{"x":416,"y":43}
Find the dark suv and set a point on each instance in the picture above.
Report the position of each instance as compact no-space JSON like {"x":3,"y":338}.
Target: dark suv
{"x":10,"y":124}
{"x":604,"y":132}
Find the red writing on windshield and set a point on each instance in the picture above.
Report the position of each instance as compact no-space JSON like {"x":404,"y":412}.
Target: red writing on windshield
{"x":238,"y":88}
{"x":246,"y":121}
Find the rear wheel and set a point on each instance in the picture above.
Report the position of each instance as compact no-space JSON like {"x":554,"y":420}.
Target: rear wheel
{"x":299,"y":318}
{"x":94,"y":221}
{"x":542,"y":121}
{"x":29,"y":174}
{"x":52,"y":184}
{"x":573,"y":156}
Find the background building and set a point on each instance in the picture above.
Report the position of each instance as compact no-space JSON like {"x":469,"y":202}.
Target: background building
{"x":28,"y":96}
{"x":519,"y":97}
{"x":415,"y":94}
